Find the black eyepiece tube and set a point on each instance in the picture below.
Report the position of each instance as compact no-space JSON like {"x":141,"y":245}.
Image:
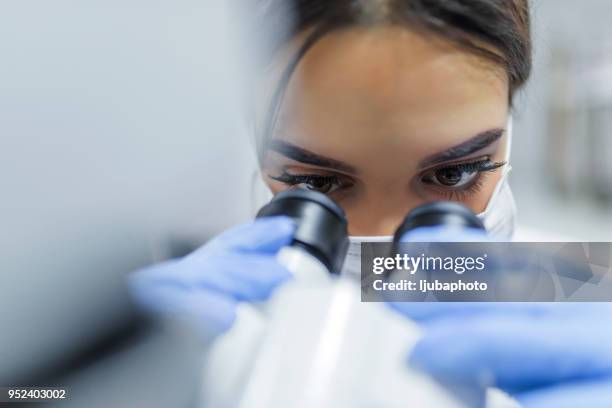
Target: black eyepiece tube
{"x":321,"y":224}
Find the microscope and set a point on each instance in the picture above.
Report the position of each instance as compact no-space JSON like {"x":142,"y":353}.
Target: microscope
{"x":314,"y":343}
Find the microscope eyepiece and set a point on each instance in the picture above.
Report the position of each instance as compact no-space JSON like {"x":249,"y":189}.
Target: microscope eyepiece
{"x":439,"y":213}
{"x":321,"y":224}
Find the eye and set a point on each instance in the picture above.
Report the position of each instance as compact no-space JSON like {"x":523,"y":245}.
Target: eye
{"x":314,"y":182}
{"x":321,"y":184}
{"x":458,"y":176}
{"x":452,"y":177}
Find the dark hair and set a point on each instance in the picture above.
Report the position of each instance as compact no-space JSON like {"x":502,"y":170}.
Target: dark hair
{"x":498,"y":30}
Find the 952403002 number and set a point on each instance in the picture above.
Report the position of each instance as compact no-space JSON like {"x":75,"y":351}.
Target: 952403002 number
{"x":31,"y":394}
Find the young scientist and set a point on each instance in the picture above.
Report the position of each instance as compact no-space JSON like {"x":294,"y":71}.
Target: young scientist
{"x":385,"y":105}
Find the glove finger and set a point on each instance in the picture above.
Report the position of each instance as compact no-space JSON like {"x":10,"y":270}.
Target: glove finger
{"x":264,"y":235}
{"x":592,"y":394}
{"x":245,"y":277}
{"x":516,"y":352}
{"x":252,"y":278}
{"x":248,"y":277}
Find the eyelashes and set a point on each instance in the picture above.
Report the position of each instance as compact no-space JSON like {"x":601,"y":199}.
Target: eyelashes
{"x":316,"y":182}
{"x":481,"y":165}
{"x":458,"y":182}
{"x":458,"y":175}
{"x":455,"y":181}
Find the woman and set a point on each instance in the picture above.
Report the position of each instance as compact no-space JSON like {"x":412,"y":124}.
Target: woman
{"x":384,"y":105}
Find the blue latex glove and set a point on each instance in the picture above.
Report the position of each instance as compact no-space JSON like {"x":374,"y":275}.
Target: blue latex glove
{"x":206,"y":285}
{"x":544,"y":354}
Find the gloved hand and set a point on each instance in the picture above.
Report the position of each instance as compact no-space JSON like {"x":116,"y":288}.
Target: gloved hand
{"x":544,"y":354}
{"x":206,"y":285}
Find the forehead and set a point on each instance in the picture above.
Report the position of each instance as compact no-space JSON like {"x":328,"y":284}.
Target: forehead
{"x":359,"y":91}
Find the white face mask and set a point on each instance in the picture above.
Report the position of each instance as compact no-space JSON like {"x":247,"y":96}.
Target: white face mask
{"x":499,"y":218}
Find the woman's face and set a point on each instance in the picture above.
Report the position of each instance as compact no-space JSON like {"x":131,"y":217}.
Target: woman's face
{"x":383,"y":120}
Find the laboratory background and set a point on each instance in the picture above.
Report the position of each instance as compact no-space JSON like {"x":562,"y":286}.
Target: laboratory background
{"x":561,"y":151}
{"x":124,"y":143}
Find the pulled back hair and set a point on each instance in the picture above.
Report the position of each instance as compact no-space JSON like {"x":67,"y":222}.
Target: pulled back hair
{"x":496,"y":30}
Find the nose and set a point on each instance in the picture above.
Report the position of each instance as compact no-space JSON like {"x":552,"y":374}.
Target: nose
{"x":379,"y":217}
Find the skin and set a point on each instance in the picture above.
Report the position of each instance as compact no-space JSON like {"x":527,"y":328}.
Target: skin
{"x":383,"y":100}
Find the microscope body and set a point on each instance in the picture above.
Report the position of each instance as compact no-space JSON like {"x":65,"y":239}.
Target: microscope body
{"x":314,"y":344}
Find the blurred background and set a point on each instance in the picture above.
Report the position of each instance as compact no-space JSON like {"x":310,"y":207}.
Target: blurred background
{"x":122,"y":143}
{"x":562,"y":149}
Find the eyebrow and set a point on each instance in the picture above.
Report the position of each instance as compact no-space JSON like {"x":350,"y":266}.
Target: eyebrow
{"x":476,"y":143}
{"x":307,"y":157}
